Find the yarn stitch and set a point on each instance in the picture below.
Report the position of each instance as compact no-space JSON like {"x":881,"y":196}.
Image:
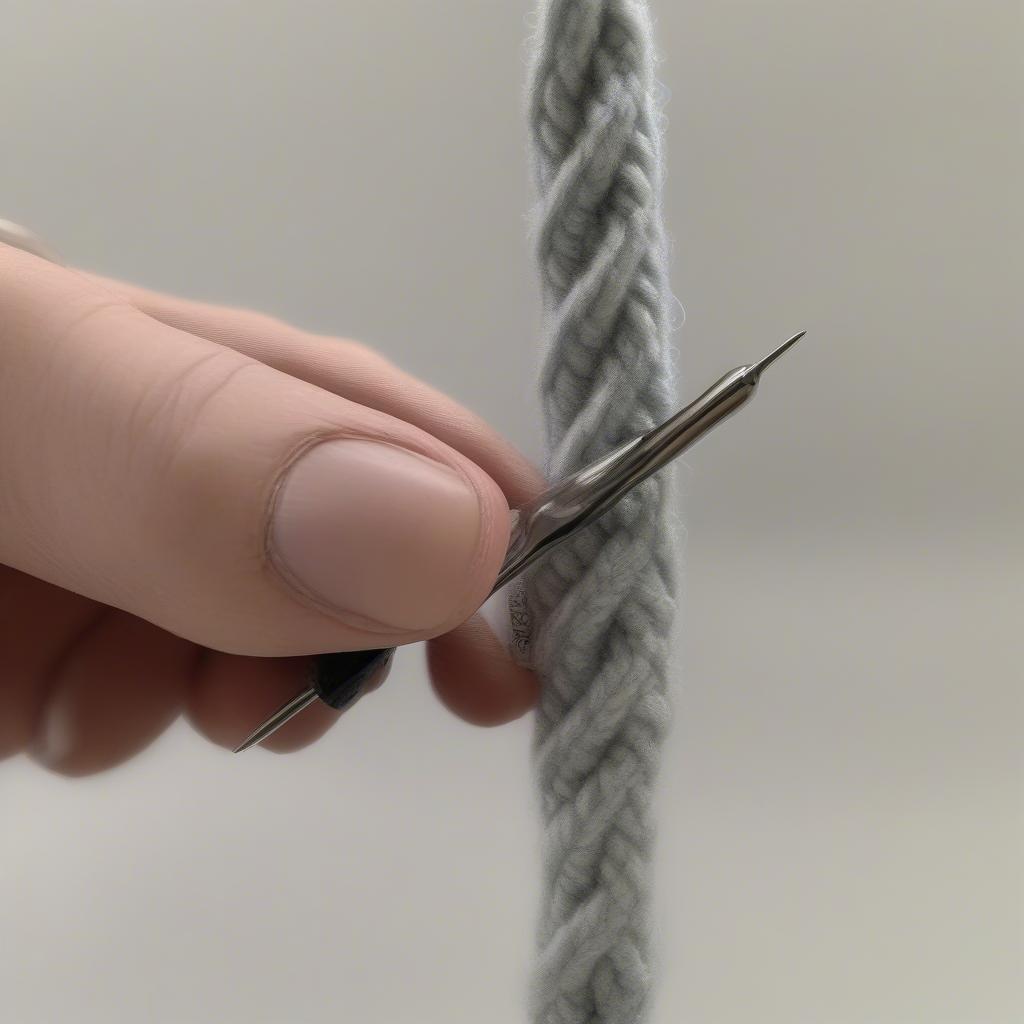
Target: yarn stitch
{"x":602,"y":603}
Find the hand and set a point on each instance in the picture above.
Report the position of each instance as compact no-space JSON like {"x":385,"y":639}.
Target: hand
{"x":194,"y":499}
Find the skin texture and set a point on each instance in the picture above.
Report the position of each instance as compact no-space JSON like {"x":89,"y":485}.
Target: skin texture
{"x":143,"y":441}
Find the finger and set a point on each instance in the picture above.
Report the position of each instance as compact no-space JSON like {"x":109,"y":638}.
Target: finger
{"x":474,"y":677}
{"x":230,"y":694}
{"x":41,"y":631}
{"x":38,"y":624}
{"x":118,"y":687}
{"x":226,"y":501}
{"x":347,"y":369}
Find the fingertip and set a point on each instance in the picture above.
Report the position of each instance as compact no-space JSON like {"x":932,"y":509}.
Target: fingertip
{"x":475,"y":678}
{"x":119,"y":688}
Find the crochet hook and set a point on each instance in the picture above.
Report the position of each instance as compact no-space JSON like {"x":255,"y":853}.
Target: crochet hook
{"x":339,"y":680}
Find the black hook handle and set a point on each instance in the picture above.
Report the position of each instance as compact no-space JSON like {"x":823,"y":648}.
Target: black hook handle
{"x":340,"y":679}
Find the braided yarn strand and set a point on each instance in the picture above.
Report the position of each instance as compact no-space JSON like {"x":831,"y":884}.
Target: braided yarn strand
{"x":602,"y":603}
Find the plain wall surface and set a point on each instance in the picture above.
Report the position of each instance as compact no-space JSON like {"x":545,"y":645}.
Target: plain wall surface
{"x":841,"y":802}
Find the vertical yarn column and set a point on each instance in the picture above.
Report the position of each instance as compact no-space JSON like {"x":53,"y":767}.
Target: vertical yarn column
{"x":602,"y":603}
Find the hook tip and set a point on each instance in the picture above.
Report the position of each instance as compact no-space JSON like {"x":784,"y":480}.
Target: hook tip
{"x":283,"y":714}
{"x":758,"y":368}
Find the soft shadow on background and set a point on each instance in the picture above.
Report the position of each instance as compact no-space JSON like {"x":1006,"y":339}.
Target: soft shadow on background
{"x":841,"y":803}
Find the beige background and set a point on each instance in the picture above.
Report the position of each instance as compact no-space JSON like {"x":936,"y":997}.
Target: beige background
{"x":841,"y":803}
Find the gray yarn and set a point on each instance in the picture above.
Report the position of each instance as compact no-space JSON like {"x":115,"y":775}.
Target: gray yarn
{"x":602,"y":603}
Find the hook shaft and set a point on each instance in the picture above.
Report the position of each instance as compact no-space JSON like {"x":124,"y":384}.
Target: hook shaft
{"x":277,"y":719}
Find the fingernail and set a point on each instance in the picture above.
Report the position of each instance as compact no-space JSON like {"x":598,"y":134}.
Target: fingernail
{"x":55,"y":738}
{"x":377,"y":531}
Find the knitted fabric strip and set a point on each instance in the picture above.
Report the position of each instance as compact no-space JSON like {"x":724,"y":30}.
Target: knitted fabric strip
{"x":602,"y":603}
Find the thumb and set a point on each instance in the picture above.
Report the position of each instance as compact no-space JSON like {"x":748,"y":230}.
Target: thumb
{"x":212,"y":495}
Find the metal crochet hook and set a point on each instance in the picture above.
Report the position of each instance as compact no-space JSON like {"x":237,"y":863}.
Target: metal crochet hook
{"x":339,"y":680}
